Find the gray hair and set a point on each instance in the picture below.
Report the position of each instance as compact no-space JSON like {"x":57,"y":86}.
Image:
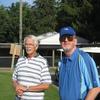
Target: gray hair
{"x":34,"y":38}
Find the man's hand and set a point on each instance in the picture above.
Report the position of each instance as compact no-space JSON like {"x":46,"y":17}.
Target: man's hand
{"x":20,"y":89}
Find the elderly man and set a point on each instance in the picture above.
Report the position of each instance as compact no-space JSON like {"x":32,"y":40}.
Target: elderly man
{"x":31,"y":76}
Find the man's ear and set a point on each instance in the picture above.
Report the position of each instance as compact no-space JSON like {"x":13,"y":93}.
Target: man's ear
{"x":36,"y":47}
{"x":75,"y":40}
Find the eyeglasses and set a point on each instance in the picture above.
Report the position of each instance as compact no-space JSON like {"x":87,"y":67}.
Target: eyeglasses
{"x":69,"y":38}
{"x":29,"y":44}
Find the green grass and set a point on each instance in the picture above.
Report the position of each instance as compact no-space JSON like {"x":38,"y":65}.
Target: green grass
{"x":7,"y":92}
{"x":53,"y":69}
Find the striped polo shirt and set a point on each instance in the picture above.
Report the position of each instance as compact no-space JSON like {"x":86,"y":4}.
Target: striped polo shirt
{"x":32,"y":72}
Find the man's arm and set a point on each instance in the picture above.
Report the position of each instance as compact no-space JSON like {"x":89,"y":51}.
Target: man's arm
{"x":18,"y":87}
{"x":93,"y":93}
{"x":38,"y":88}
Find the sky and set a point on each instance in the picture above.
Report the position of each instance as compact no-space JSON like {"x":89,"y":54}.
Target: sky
{"x":7,"y":3}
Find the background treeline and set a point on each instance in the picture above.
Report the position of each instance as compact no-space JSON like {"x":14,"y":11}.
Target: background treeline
{"x":50,"y":15}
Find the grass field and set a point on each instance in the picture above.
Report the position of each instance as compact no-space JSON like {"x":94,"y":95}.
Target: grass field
{"x":7,"y":91}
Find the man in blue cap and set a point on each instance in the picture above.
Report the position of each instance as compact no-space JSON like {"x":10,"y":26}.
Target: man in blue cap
{"x":77,"y":70}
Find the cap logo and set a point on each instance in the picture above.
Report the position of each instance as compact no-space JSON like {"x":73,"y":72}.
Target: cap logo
{"x":66,"y":28}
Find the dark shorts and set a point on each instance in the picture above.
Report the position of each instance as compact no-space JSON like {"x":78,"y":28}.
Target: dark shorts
{"x":98,"y":97}
{"x":17,"y":98}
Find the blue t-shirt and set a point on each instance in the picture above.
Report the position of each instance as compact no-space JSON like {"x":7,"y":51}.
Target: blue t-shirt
{"x":74,"y":80}
{"x":91,"y":67}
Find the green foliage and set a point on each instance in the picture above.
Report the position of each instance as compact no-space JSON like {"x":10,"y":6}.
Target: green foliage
{"x":66,"y":15}
{"x":4,"y":20}
{"x":45,"y":15}
{"x":50,"y":15}
{"x":52,"y":93}
{"x":83,"y":15}
{"x":7,"y":92}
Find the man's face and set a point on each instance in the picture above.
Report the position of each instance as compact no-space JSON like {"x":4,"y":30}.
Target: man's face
{"x":68,"y":43}
{"x":30,"y":47}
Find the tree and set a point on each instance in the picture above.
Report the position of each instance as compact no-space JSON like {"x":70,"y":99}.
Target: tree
{"x":67,"y":14}
{"x":83,"y":15}
{"x":45,"y":16}
{"x":4,"y":23}
{"x":88,"y":20}
{"x":95,"y":20}
{"x":50,"y":15}
{"x":12,"y":29}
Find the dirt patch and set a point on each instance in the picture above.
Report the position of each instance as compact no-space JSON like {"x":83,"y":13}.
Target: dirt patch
{"x":6,"y":69}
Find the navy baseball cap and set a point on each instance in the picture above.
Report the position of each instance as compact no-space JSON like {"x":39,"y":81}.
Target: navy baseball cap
{"x":67,"y":31}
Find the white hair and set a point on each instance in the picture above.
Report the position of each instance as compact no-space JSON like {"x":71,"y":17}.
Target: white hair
{"x":34,"y":38}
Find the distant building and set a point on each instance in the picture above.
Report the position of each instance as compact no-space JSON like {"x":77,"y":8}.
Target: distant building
{"x":49,"y":45}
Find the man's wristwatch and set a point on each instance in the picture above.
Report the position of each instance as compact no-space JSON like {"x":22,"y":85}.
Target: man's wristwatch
{"x":27,"y":88}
